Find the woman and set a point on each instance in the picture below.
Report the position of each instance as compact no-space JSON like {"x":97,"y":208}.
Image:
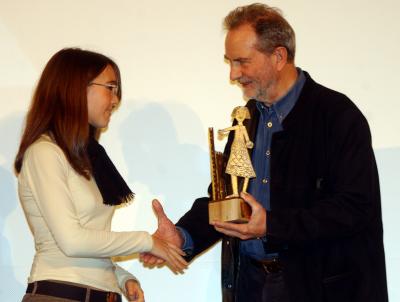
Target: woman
{"x":68,"y":186}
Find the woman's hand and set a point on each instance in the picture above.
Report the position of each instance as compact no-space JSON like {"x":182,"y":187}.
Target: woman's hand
{"x":134,"y":292}
{"x":170,"y":253}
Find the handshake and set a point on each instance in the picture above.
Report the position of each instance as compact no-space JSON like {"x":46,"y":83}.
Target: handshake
{"x":167,"y":243}
{"x":168,"y":240}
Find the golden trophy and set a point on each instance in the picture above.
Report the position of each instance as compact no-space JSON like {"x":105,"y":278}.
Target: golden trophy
{"x":223,"y":207}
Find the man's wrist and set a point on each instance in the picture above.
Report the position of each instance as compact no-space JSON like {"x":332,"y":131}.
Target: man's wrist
{"x":187,"y":242}
{"x":181,"y":238}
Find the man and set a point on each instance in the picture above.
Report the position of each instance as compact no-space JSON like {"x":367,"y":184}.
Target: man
{"x":315,"y":233}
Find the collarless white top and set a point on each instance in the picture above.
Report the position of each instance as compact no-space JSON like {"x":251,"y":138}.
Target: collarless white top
{"x":70,"y":224}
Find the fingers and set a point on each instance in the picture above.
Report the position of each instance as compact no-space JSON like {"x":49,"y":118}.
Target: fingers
{"x":174,"y":255}
{"x":132,"y":296}
{"x":250,"y":200}
{"x":176,"y":262}
{"x":174,"y":258}
{"x":176,"y":249}
{"x":178,"y":255}
{"x":150,"y":260}
{"x":170,"y":253}
{"x":228,"y":226}
{"x":232,"y":233}
{"x":232,"y":229}
{"x":133,"y":291}
{"x":153,"y":260}
{"x":144,"y":257}
{"x":138,"y":297}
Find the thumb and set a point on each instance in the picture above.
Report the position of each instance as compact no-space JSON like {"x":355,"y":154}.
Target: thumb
{"x":131,"y":294}
{"x":158,"y":209}
{"x":250,"y":200}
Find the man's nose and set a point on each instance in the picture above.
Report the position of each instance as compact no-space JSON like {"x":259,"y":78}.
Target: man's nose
{"x":235,"y":73}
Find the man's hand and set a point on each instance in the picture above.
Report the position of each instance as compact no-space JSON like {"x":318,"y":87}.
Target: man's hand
{"x":256,"y":227}
{"x":134,"y":292}
{"x":170,"y":253}
{"x":166,"y":231}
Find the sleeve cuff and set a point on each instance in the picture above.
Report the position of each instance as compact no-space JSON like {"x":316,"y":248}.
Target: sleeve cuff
{"x":123,"y":276}
{"x":188,"y":245}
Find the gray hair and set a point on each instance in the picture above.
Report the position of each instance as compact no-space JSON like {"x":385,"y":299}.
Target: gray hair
{"x":271,"y":28}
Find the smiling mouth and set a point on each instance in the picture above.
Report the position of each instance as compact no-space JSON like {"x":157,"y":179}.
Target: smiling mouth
{"x":245,"y":84}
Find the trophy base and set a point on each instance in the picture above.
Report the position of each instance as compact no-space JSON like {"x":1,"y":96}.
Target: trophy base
{"x":233,"y":209}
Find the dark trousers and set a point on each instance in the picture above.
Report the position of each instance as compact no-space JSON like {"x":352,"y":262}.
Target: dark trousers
{"x":257,"y":283}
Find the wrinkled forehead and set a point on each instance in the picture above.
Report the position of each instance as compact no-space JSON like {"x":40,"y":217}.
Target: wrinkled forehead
{"x":243,"y":34}
{"x":239,"y":41}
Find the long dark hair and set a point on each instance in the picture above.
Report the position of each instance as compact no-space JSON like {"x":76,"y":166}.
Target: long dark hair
{"x":59,"y":105}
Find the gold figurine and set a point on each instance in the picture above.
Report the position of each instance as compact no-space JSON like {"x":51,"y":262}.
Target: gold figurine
{"x":239,"y":163}
{"x":231,"y":208}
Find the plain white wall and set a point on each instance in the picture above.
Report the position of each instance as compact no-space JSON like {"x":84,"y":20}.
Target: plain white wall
{"x":175,"y":86}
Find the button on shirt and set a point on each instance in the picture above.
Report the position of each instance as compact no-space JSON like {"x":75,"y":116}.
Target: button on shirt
{"x":271,"y":119}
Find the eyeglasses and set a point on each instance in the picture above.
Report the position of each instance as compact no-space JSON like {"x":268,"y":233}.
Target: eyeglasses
{"x":112,"y":87}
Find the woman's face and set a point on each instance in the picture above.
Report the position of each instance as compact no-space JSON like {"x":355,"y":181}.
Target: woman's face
{"x":102,"y":98}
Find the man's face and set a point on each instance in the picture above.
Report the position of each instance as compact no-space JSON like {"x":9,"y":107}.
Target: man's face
{"x":253,"y":70}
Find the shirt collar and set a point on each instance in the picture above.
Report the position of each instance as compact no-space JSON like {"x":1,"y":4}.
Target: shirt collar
{"x":284,"y":105}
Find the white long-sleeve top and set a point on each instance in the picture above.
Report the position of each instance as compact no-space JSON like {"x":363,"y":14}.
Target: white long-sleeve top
{"x":70,"y":224}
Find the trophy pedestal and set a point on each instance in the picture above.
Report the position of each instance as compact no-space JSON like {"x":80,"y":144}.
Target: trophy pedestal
{"x":233,"y":209}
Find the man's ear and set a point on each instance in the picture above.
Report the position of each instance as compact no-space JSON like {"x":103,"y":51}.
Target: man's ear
{"x":281,"y":55}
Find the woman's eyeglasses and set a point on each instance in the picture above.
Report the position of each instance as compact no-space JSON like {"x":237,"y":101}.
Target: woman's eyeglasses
{"x":112,"y":87}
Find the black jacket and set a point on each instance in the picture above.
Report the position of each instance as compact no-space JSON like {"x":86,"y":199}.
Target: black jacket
{"x":325,"y":218}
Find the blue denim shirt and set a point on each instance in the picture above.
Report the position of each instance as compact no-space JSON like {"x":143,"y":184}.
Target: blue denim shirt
{"x":271,"y":119}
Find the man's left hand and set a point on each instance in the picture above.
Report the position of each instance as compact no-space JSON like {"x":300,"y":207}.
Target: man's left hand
{"x":256,"y":227}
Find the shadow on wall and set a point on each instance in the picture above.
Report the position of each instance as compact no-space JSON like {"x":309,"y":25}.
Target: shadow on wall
{"x":10,"y":289}
{"x":156,"y":158}
{"x":162,"y":150}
